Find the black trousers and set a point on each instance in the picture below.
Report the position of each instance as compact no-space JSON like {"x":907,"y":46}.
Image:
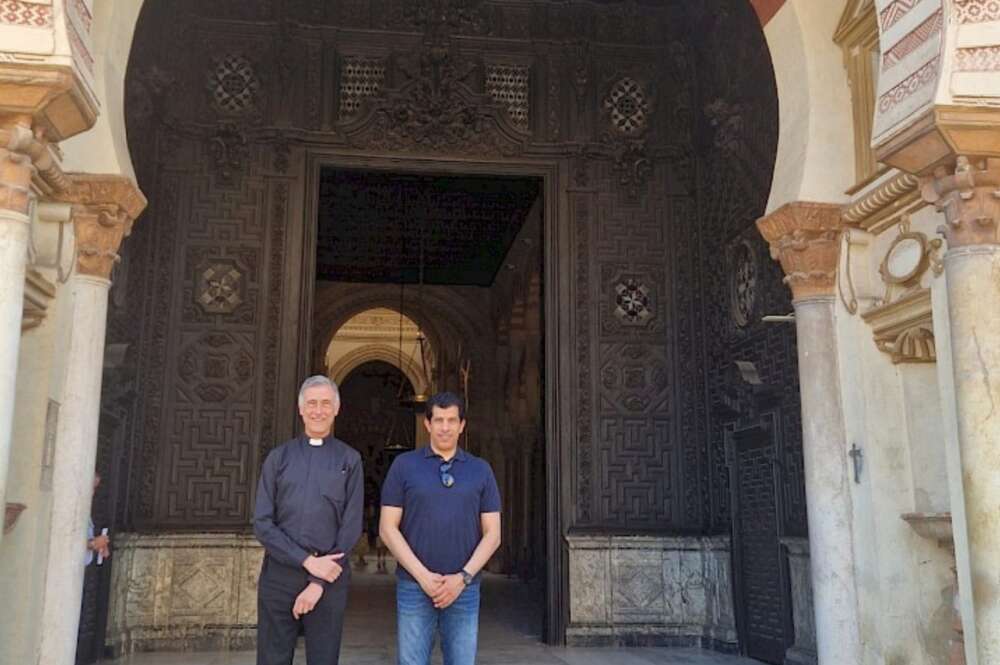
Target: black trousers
{"x":278,"y":630}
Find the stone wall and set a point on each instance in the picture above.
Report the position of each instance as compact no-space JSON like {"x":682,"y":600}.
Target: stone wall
{"x":650,"y":590}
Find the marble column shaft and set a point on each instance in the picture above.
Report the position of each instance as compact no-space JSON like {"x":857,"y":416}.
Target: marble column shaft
{"x":73,"y":469}
{"x":968,"y":197}
{"x":805,"y":238}
{"x":828,"y":494}
{"x":15,"y":200}
{"x":104,"y":208}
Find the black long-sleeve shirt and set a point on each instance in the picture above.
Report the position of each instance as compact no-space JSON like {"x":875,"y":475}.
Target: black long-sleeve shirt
{"x":309,"y":501}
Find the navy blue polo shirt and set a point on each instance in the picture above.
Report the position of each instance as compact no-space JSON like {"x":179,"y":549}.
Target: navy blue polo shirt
{"x":441,"y":524}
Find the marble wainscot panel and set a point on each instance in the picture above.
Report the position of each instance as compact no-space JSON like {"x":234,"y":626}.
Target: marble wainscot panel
{"x":803,"y":652}
{"x":184,"y":592}
{"x":650,"y":590}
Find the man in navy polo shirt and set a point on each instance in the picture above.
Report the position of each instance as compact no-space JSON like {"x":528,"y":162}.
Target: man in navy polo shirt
{"x":441,"y":520}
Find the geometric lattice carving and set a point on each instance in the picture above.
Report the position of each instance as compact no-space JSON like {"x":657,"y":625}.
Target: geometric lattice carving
{"x":359,"y":78}
{"x":628,"y":104}
{"x":215,"y":366}
{"x":233,"y":85}
{"x":219,"y":289}
{"x":509,"y":85}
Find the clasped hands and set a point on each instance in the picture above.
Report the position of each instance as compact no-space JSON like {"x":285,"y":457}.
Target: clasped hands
{"x":325,"y":568}
{"x":442,"y":589}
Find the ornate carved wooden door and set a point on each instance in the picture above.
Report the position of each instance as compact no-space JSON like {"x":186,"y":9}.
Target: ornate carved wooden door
{"x":763,"y":605}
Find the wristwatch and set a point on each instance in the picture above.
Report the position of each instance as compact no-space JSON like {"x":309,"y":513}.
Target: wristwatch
{"x":466,"y":577}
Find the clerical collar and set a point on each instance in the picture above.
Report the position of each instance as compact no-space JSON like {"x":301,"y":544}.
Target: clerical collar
{"x":315,"y":442}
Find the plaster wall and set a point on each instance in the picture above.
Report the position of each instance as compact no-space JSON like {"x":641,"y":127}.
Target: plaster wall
{"x":893,"y":414}
{"x":815,"y":160}
{"x":104,"y":149}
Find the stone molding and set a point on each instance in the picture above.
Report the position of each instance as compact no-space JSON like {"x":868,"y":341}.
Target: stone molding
{"x":876,"y":209}
{"x":53,"y":96}
{"x":805,"y":238}
{"x":104,"y":209}
{"x":969,"y":197}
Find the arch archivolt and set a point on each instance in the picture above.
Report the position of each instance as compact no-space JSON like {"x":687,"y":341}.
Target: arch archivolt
{"x":350,"y":361}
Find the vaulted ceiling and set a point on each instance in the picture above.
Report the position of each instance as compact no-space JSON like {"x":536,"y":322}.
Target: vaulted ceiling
{"x":373,"y":225}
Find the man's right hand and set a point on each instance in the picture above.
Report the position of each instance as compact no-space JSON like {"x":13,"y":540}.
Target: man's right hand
{"x":431,"y":583}
{"x":324,"y":567}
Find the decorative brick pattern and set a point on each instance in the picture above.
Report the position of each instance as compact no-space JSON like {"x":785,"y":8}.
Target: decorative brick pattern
{"x":977,"y":11}
{"x":509,"y":85}
{"x":980,"y":59}
{"x":894,"y":12}
{"x":906,"y":88}
{"x":25,"y":14}
{"x":913,"y":40}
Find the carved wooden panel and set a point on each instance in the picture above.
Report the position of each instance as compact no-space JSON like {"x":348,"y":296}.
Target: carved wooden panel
{"x":664,"y":176}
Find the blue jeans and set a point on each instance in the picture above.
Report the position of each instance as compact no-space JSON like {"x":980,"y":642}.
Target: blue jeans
{"x":420,"y":622}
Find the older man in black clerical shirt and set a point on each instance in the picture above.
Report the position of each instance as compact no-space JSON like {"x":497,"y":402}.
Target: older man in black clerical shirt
{"x":308,"y":517}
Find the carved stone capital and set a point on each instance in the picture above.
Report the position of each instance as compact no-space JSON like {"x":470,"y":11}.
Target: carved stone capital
{"x":104,"y":208}
{"x":969,"y":197}
{"x":805,"y":238}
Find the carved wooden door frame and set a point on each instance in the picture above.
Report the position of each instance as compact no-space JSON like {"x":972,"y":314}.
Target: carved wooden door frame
{"x":558,"y":368}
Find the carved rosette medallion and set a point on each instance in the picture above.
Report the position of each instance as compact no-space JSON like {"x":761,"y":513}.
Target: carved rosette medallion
{"x":219,"y":288}
{"x":233,"y":85}
{"x":104,"y":208}
{"x":970,"y":200}
{"x":743,"y":276}
{"x":632,"y":302}
{"x":627,"y":104}
{"x":805,"y":238}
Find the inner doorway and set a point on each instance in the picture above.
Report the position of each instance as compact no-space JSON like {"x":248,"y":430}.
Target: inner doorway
{"x":430,"y":282}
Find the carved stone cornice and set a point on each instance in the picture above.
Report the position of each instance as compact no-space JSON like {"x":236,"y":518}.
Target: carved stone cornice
{"x":905,"y":329}
{"x":104,"y":209}
{"x":52,"y":96}
{"x":885,"y":200}
{"x":805,"y":238}
{"x":969,"y":197}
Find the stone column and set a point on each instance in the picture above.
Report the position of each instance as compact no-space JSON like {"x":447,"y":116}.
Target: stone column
{"x":805,"y":238}
{"x":16,"y":170}
{"x":38,"y":103}
{"x":103,"y":210}
{"x":969,"y":198}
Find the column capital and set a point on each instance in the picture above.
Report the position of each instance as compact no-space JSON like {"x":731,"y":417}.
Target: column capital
{"x":969,"y":196}
{"x":104,"y":209}
{"x":805,"y":238}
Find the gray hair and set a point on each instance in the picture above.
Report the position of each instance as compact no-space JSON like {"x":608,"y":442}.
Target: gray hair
{"x":318,"y":380}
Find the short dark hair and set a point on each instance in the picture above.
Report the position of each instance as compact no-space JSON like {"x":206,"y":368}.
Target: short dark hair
{"x":445,"y":400}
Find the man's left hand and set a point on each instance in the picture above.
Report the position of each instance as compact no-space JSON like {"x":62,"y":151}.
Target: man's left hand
{"x":451,"y":589}
{"x":306,"y":601}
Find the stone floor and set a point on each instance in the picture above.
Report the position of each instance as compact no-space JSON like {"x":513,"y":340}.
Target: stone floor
{"x":510,"y":633}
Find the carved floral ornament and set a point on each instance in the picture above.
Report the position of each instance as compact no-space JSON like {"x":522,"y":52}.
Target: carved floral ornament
{"x":104,"y":208}
{"x":805,"y":238}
